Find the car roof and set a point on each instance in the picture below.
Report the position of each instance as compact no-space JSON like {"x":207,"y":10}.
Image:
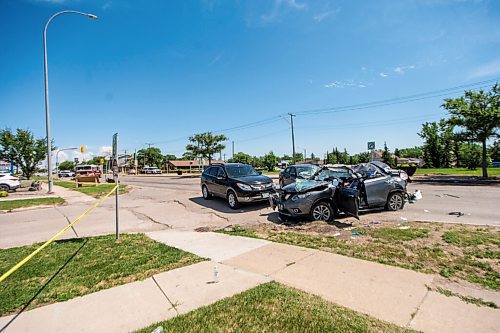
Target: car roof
{"x":229,"y":164}
{"x":303,"y":165}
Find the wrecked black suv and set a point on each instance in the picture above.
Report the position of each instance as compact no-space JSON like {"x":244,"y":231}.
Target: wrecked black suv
{"x":342,"y":188}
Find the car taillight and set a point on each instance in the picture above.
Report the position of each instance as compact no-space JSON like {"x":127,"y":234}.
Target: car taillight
{"x":403,"y":175}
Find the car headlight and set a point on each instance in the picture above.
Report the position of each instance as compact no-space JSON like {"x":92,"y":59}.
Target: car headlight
{"x":300,"y":196}
{"x":244,"y":187}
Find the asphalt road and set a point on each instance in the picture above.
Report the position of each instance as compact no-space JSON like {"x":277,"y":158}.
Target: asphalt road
{"x":480,"y":204}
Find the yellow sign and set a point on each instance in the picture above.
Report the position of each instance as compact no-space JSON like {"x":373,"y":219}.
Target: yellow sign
{"x":102,"y":160}
{"x":82,"y":149}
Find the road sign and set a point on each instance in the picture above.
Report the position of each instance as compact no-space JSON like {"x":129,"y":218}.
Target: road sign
{"x":115,"y":145}
{"x":76,"y":160}
{"x":371,"y":145}
{"x":102,"y":161}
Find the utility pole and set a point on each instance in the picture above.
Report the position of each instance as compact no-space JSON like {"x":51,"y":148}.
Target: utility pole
{"x":293,"y":138}
{"x":305,"y":155}
{"x":232,"y":156}
{"x":144,"y":160}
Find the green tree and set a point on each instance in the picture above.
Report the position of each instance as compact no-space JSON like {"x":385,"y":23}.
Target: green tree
{"x":170,"y":157}
{"x":470,"y":155}
{"x":188,"y":156}
{"x":495,"y":151}
{"x":415,"y":152}
{"x":241,"y":157}
{"x":363,"y":157}
{"x":151,"y":156}
{"x":387,"y":156}
{"x":269,"y":161}
{"x":22,"y":148}
{"x":206,"y":144}
{"x":67,"y":165}
{"x":448,"y":139}
{"x":432,"y":147}
{"x":96,"y":160}
{"x":477,"y":115}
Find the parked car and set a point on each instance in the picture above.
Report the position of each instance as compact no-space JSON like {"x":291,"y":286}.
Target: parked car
{"x":298,"y":171}
{"x":8,"y":182}
{"x":65,"y":173}
{"x":151,"y":170}
{"x":235,"y":182}
{"x":343,"y":188}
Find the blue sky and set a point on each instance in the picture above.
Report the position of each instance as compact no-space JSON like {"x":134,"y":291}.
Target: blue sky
{"x":160,"y":71}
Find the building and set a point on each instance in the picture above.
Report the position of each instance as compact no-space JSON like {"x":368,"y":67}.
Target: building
{"x":188,"y":166}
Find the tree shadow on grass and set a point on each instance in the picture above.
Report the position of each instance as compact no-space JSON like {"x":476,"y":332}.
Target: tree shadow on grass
{"x":2,"y":329}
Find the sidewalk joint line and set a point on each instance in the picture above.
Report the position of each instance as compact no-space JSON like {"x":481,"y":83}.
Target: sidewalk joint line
{"x":292,"y":263}
{"x":413,"y":315}
{"x":164,"y":294}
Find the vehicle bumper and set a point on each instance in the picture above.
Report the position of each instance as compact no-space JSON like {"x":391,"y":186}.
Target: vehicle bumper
{"x":254,"y":196}
{"x":297,"y":208}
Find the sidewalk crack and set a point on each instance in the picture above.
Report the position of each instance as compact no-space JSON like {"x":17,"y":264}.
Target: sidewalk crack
{"x":414,"y":314}
{"x":291,"y":263}
{"x":174,"y":306}
{"x":144,"y":217}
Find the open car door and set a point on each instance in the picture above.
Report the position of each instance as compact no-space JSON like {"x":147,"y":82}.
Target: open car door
{"x":348,"y":201}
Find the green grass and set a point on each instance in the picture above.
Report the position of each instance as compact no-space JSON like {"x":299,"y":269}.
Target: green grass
{"x":93,"y":264}
{"x":272,"y":307}
{"x":21,"y":203}
{"x":457,"y":252}
{"x":458,"y":171}
{"x":90,"y":189}
{"x":468,"y":299}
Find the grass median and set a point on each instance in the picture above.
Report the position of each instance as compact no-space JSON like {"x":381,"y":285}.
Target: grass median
{"x":76,"y":267}
{"x":22,"y":203}
{"x":454,"y":251}
{"x":272,"y":307}
{"x":492,"y":172}
{"x":96,"y":191}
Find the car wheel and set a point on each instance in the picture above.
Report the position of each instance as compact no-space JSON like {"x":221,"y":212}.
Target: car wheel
{"x":322,"y":211}
{"x":232,"y":200}
{"x":206,"y":194}
{"x":4,"y":187}
{"x":395,"y":201}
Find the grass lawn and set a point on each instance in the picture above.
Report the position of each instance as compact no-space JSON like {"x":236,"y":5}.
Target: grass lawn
{"x":76,"y":267}
{"x":272,"y":307}
{"x":459,"y":172}
{"x":454,"y":251}
{"x":90,"y":189}
{"x":13,"y":204}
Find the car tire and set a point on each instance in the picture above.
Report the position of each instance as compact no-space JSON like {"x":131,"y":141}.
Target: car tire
{"x":232,"y":200}
{"x":206,"y":194}
{"x":395,"y":201}
{"x":322,"y":211}
{"x":4,"y":187}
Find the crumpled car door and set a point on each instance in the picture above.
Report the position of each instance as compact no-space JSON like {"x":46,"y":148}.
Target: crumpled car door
{"x":348,"y":201}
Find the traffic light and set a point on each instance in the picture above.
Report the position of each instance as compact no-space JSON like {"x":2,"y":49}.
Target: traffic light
{"x":82,"y":149}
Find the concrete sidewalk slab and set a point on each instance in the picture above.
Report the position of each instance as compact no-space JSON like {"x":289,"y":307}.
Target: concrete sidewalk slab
{"x":121,"y":309}
{"x":218,"y":247}
{"x":385,"y":292}
{"x":191,"y":287}
{"x":441,"y":314}
{"x":270,"y":259}
{"x":71,"y":196}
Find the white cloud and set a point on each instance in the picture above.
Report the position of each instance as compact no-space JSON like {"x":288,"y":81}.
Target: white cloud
{"x":488,"y":69}
{"x":105,"y":150}
{"x":215,"y":60}
{"x":325,"y":14}
{"x":281,"y":7}
{"x":382,"y":74}
{"x":345,"y":84}
{"x":403,"y":69}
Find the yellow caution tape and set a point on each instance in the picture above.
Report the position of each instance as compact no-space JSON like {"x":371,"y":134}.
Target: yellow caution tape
{"x":25,"y":260}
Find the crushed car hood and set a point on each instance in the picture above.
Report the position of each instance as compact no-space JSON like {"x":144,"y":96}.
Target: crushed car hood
{"x":303,"y":185}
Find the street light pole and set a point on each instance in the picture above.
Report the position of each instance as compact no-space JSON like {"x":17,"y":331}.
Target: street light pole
{"x":293,"y":138}
{"x":60,"y":150}
{"x":46,"y":77}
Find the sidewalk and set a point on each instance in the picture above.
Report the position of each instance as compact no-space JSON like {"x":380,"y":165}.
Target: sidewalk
{"x":389,"y":293}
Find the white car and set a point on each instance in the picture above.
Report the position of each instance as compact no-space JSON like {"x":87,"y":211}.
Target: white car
{"x":65,"y":173}
{"x":151,"y":170}
{"x":8,"y":182}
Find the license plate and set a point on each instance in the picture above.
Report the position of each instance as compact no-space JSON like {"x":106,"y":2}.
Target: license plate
{"x":265,"y":195}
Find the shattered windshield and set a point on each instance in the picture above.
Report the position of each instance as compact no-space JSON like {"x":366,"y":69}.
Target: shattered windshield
{"x":334,"y":173}
{"x":306,"y":171}
{"x":303,"y":185}
{"x":241,"y":171}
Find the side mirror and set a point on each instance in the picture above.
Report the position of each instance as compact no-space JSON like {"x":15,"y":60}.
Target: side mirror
{"x":259,"y":172}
